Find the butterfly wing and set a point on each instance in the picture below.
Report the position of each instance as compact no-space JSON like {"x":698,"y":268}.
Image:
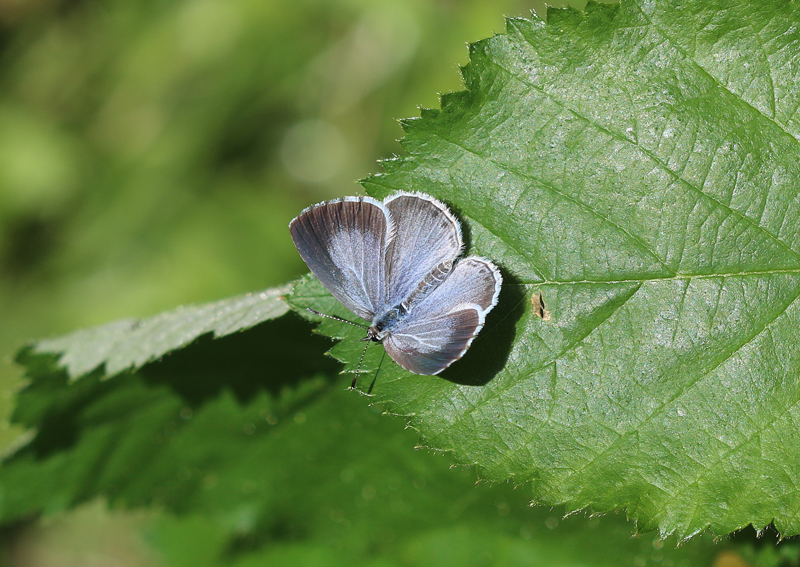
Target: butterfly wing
{"x":439,"y":330}
{"x":426,"y":234}
{"x":343,"y":242}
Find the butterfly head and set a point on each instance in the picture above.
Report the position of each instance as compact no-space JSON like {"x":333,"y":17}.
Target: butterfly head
{"x":374,"y":334}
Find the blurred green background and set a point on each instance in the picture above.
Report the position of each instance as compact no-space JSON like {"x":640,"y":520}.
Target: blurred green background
{"x":152,"y":153}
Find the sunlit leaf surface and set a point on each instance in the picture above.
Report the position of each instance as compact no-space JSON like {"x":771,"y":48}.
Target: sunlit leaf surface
{"x":131,"y":343}
{"x":638,"y":165}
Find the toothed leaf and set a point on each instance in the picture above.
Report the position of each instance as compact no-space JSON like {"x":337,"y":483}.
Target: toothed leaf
{"x":639,"y":166}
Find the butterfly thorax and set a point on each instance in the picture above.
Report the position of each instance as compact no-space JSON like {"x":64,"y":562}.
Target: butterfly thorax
{"x":384,"y":324}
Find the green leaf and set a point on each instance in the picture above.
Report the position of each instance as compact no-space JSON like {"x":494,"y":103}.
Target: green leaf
{"x":638,"y":165}
{"x":131,"y":343}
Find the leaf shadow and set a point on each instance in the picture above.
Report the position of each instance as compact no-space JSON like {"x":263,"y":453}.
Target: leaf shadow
{"x":273,"y":356}
{"x":489,"y":352}
{"x":767,"y":537}
{"x":269,"y":357}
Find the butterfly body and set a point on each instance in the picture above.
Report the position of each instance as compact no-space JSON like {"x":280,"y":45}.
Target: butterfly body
{"x":386,"y":323}
{"x":395,"y":263}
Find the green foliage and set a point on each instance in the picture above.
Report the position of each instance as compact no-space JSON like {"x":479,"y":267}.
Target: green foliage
{"x":265,"y":453}
{"x":652,"y":199}
{"x":621,"y":162}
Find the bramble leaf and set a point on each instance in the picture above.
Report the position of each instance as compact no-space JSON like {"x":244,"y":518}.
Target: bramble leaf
{"x":638,"y":165}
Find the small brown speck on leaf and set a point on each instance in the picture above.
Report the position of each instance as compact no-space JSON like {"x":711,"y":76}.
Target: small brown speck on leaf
{"x":538,"y":307}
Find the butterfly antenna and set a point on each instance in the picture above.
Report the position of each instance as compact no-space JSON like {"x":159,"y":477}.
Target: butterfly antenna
{"x":336,"y":318}
{"x":360,"y":360}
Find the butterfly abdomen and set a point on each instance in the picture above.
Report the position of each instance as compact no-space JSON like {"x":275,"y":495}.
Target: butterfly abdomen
{"x":433,"y":280}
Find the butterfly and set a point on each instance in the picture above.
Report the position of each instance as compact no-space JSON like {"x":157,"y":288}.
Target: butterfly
{"x":396,"y":264}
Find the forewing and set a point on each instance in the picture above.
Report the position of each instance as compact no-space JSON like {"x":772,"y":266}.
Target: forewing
{"x":426,"y":234}
{"x":343,"y":242}
{"x":439,"y":330}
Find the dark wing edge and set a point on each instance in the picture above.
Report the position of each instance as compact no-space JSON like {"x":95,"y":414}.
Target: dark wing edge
{"x":464,"y":319}
{"x":343,"y":242}
{"x":467,"y":322}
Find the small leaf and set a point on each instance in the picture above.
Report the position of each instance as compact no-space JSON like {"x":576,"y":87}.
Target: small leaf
{"x":131,"y":343}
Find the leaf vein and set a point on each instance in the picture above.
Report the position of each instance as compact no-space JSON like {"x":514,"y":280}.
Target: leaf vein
{"x":553,"y":189}
{"x":660,"y":163}
{"x":688,"y":386}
